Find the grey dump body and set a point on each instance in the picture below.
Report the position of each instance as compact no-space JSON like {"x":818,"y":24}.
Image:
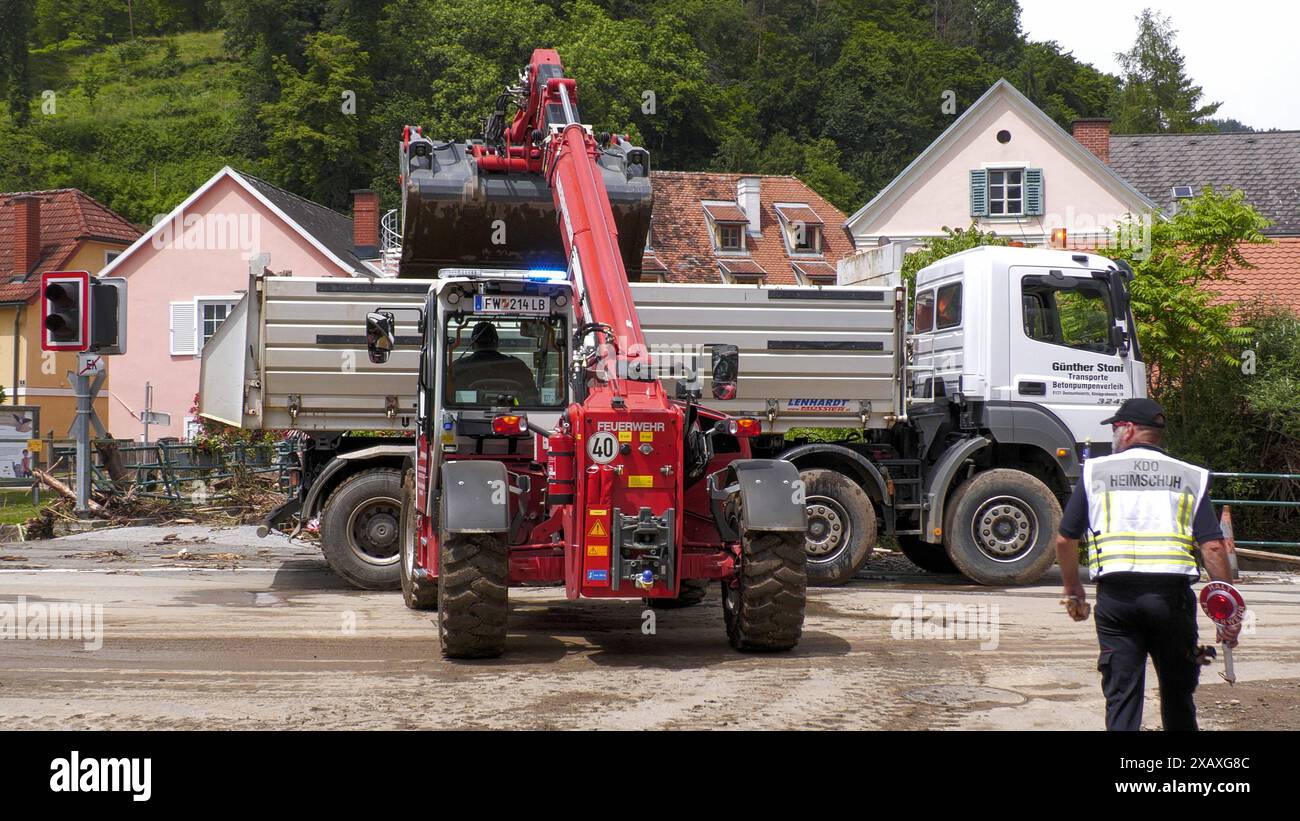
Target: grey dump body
{"x":293,"y":355}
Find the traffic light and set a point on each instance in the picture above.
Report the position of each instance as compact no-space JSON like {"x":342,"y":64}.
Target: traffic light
{"x":64,"y":313}
{"x":83,"y":313}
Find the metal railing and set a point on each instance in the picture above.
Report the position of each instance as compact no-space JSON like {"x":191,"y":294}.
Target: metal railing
{"x":1282,"y":503}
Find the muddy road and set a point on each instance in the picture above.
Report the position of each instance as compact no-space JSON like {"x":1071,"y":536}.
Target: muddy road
{"x":213,"y":628}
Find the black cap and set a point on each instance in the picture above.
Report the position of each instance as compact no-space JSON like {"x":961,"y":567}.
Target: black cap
{"x":1140,"y":412}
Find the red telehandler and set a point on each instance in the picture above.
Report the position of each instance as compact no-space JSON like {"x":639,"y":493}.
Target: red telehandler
{"x":548,"y":450}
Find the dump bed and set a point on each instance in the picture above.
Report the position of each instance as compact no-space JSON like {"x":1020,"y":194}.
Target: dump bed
{"x":294,"y":355}
{"x":809,"y":356}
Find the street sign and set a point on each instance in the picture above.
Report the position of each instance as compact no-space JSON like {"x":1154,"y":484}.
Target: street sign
{"x":89,"y":364}
{"x":156,"y":418}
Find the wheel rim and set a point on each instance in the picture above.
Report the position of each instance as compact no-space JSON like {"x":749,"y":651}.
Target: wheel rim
{"x":828,"y":529}
{"x":408,"y":543}
{"x":373,"y":532}
{"x":1005,"y":528}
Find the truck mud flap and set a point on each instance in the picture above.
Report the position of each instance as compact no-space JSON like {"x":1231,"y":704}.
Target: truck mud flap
{"x":770,"y":493}
{"x":475,"y":497}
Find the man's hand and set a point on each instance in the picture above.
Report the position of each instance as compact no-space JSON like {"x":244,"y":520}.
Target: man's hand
{"x":1075,"y":599}
{"x":1228,"y":634}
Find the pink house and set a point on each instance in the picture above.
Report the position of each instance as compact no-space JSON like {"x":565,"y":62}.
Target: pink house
{"x":189,"y":270}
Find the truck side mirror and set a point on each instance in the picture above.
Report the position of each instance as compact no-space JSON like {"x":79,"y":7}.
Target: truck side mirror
{"x":380,"y":337}
{"x":726,"y":370}
{"x":1119,"y":340}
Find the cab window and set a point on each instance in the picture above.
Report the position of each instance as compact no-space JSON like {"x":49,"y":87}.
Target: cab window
{"x":924,"y":312}
{"x":1073,"y":312}
{"x":948,"y":307}
{"x":504,"y":361}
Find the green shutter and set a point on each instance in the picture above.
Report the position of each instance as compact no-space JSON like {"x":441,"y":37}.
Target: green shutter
{"x":979,"y":193}
{"x":1033,"y":192}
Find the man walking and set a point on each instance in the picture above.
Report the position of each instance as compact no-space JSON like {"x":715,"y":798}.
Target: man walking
{"x":1143,"y":512}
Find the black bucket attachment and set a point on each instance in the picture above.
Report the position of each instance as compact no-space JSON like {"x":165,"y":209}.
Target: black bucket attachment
{"x":455,"y":215}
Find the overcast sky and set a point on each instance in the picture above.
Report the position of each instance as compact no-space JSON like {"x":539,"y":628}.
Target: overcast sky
{"x":1244,"y":53}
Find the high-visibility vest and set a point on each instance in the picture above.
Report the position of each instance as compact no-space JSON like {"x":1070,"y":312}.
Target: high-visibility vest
{"x":1141,"y":504}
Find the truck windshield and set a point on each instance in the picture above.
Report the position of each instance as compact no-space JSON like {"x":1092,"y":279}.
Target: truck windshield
{"x":495,"y":360}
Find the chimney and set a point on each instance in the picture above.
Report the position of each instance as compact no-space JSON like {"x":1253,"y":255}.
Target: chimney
{"x":27,"y":233}
{"x":749,"y":198}
{"x":365,"y":223}
{"x":1094,"y":135}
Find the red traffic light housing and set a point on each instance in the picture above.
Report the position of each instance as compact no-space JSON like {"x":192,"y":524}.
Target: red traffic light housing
{"x":65,"y":315}
{"x":83,"y":314}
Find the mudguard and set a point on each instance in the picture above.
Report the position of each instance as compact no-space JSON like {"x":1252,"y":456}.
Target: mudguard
{"x":770,"y":492}
{"x":940,"y":479}
{"x":475,"y":497}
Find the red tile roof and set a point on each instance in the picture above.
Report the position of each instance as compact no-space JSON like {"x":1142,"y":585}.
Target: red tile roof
{"x":799,"y":213}
{"x":68,"y":217}
{"x":681,"y":240}
{"x":726,"y":213}
{"x":1275,"y":279}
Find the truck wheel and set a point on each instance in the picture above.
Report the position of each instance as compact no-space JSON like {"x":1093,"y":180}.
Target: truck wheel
{"x":931,"y":557}
{"x":764,"y":609}
{"x":472,"y":594}
{"x":691,"y":592}
{"x":418,"y":595}
{"x":1000,"y":527}
{"x":359,"y":529}
{"x":841,"y":527}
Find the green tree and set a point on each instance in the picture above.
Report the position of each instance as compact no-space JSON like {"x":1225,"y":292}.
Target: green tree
{"x":15,"y":80}
{"x":952,"y":242}
{"x":315,"y":129}
{"x":1156,"y":95}
{"x":1183,"y":324}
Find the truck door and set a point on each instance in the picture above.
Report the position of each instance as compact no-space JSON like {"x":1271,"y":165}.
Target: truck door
{"x":1063,"y":356}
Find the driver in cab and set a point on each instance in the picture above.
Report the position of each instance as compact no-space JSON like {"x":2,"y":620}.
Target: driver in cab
{"x":486,"y":369}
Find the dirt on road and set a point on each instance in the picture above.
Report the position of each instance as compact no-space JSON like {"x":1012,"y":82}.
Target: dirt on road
{"x":257,"y":634}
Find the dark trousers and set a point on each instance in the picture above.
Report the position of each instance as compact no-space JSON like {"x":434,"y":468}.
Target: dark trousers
{"x":1137,"y":617}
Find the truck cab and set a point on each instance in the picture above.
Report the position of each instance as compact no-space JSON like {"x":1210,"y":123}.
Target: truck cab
{"x":1041,"y":342}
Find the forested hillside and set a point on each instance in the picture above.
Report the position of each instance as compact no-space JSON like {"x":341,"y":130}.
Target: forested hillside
{"x":137,"y":101}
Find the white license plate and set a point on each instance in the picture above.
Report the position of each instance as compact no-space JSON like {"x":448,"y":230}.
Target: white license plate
{"x":506,"y":304}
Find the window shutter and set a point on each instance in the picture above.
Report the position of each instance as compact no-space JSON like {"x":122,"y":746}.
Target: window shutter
{"x":979,"y":193}
{"x":1033,"y":192}
{"x":183,"y":328}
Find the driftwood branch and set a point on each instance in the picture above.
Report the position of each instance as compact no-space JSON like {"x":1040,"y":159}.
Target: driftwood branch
{"x":62,"y":489}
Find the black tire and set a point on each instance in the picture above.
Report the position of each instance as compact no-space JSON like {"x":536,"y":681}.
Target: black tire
{"x":359,"y":529}
{"x":472,"y":594}
{"x":691,"y":593}
{"x":764,"y":610}
{"x":929,"y":557}
{"x":418,"y":595}
{"x":1000,"y":527}
{"x":841,"y":527}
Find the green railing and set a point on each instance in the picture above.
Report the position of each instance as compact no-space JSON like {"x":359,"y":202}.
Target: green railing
{"x":1282,"y":503}
{"x":174,"y":471}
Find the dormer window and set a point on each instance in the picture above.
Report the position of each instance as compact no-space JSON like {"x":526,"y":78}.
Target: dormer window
{"x":803,"y":228}
{"x":731,"y":236}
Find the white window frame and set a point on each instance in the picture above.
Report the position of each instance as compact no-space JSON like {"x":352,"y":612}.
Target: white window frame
{"x":739,"y":226}
{"x":1004,"y":199}
{"x":229,"y":300}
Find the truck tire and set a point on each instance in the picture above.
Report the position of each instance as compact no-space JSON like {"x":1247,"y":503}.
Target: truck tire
{"x":359,"y":529}
{"x":691,"y":593}
{"x":929,"y":557}
{"x":1000,"y":527}
{"x":472,"y":594}
{"x":841,"y":527}
{"x":418,"y":595}
{"x":764,"y":609}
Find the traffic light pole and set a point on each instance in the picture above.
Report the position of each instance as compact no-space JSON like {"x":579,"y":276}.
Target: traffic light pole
{"x":84,"y":410}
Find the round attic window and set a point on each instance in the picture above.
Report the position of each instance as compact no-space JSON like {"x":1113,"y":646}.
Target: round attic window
{"x":1004,"y":136}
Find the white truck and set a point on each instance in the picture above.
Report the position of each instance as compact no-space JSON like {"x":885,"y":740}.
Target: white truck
{"x":957,"y":427}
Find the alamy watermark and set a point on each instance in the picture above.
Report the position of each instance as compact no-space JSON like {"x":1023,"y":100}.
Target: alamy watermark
{"x":948,"y":621}
{"x":55,"y":620}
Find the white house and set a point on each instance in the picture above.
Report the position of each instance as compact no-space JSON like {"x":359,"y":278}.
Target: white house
{"x":1009,"y":168}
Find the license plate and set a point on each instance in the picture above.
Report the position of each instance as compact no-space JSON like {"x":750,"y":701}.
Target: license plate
{"x":506,"y":304}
